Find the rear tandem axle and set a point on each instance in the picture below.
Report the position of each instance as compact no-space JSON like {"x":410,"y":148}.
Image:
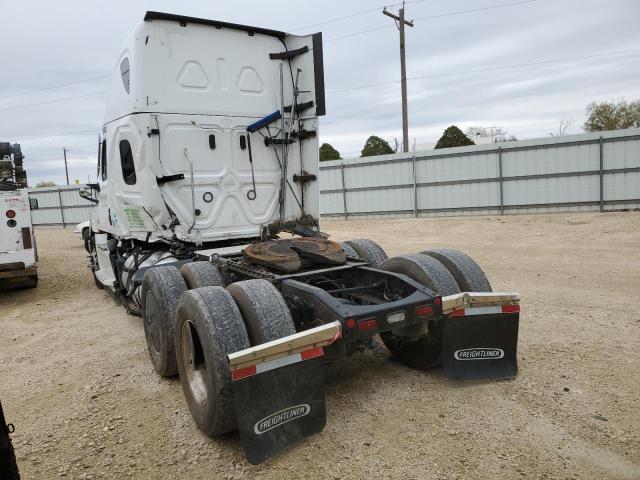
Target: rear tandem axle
{"x":249,"y":340}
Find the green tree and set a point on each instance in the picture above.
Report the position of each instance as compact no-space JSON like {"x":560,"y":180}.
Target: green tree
{"x":453,"y":137}
{"x":612,"y":115}
{"x":45,"y":183}
{"x":327,"y":152}
{"x":375,"y":146}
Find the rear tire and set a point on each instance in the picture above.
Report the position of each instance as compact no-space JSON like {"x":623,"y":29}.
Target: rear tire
{"x":424,"y":351}
{"x":160,"y":293}
{"x":369,"y":251}
{"x":94,"y":261}
{"x":201,"y":274}
{"x":209,"y":327}
{"x":464,"y":269}
{"x":424,"y":270}
{"x":263,"y":309}
{"x":97,"y":282}
{"x":348,"y":249}
{"x":86,"y":236}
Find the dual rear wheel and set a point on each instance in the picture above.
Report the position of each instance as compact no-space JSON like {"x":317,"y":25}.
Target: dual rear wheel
{"x":161,"y":290}
{"x":211,"y":323}
{"x":445,"y":272}
{"x":192,"y":323}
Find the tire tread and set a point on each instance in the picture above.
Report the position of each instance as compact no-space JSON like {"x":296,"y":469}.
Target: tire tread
{"x":464,"y":269}
{"x":266,"y":314}
{"x":369,"y":251}
{"x":213,"y":310}
{"x":167,"y":285}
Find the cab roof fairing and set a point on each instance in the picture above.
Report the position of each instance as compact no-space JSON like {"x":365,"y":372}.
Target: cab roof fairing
{"x":145,"y":96}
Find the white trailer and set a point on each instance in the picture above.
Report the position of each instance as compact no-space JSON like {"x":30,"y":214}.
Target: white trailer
{"x":18,"y":253}
{"x":209,"y":155}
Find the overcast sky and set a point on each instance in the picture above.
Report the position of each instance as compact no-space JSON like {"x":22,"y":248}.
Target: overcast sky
{"x":46,"y":43}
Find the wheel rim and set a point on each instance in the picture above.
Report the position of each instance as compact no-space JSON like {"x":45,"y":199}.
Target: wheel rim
{"x":193,"y":360}
{"x":152,"y":321}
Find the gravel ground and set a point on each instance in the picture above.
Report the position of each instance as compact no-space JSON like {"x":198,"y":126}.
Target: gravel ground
{"x":76,"y":380}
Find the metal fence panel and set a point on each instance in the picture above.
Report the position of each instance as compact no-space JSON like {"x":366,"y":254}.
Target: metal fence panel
{"x":330,"y":180}
{"x":46,"y":217}
{"x":468,"y":195}
{"x":552,"y":190}
{"x":621,"y":154}
{"x":59,"y":206}
{"x":456,"y":168}
{"x":331,"y":204}
{"x":621,"y":186}
{"x":572,"y":173}
{"x":379,"y":200}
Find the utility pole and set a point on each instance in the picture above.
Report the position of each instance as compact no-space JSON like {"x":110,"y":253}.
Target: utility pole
{"x":401,"y":22}
{"x":66,"y":169}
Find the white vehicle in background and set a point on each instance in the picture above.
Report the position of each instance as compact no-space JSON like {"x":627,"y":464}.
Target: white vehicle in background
{"x":82,"y":227}
{"x":18,"y":253}
{"x":209,"y":153}
{"x":84,"y":230}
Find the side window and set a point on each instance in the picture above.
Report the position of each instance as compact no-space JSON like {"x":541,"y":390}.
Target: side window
{"x":99,"y":154}
{"x":103,"y":161}
{"x":126,"y":160}
{"x":126,"y":75}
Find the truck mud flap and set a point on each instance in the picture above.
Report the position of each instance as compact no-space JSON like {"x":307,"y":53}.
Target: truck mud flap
{"x":481,"y":343}
{"x":279,"y":402}
{"x":278,"y":390}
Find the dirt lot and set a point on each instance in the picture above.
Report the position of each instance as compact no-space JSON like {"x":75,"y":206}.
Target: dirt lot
{"x":76,"y":380}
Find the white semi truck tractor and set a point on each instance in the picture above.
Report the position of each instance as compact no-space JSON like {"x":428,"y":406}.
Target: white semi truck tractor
{"x":206,"y":223}
{"x":18,"y":252}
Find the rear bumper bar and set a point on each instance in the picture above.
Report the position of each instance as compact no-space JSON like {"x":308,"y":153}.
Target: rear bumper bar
{"x":23,"y":272}
{"x":466,"y":300}
{"x":273,"y":354}
{"x":245,"y":362}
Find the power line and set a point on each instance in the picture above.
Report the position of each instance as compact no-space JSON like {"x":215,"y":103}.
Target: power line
{"x":472,"y":10}
{"x":355,"y":14}
{"x":29,"y":92}
{"x":489,"y":69}
{"x":53,"y":135}
{"x":355,"y":34}
{"x":459,"y":12}
{"x":52,"y":101}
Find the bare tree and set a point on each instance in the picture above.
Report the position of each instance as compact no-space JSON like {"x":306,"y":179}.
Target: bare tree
{"x":562,"y":128}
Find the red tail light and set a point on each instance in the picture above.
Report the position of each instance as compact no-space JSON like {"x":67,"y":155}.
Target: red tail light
{"x":424,"y":311}
{"x":11,"y":214}
{"x":437,"y":301}
{"x":369,"y":324}
{"x":510,"y":308}
{"x":351,"y":323}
